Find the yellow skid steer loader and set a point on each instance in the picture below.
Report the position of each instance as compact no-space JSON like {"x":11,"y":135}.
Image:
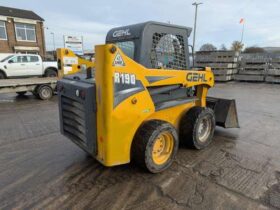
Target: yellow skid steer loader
{"x":141,"y":100}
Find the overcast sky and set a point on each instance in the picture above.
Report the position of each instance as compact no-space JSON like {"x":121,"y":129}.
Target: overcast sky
{"x":218,"y":20}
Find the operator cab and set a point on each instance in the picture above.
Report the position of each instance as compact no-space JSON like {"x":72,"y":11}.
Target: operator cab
{"x":154,"y":45}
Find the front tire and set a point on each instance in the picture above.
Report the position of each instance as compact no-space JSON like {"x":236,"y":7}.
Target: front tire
{"x":155,"y":146}
{"x":197,"y":127}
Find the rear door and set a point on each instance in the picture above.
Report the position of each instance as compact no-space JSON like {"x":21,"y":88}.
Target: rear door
{"x":33,"y":65}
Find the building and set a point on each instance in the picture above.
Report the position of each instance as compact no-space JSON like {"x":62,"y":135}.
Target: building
{"x":21,"y":31}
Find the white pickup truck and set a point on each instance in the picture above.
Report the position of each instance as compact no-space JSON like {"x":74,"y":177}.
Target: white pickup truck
{"x":26,"y":65}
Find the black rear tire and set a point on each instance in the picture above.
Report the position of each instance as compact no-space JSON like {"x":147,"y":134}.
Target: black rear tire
{"x":51,"y":73}
{"x":44,"y":92}
{"x":144,"y":142}
{"x":197,"y":127}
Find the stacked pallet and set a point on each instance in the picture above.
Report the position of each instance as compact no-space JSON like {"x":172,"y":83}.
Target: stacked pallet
{"x":273,"y":73}
{"x":222,"y":63}
{"x":252,"y":68}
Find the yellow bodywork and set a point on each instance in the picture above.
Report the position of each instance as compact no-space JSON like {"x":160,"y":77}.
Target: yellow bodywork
{"x":69,"y":63}
{"x":117,"y":125}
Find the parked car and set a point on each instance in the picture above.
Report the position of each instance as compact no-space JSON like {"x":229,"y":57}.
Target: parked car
{"x":26,"y":65}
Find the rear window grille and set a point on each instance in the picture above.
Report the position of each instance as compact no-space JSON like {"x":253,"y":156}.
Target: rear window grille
{"x":73,"y":117}
{"x":168,"y":51}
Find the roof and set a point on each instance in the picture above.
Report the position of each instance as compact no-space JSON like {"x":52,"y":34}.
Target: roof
{"x":19,"y":13}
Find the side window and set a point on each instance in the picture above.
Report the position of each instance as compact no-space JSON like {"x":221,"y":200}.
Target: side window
{"x":127,"y":47}
{"x":24,"y":59}
{"x":168,"y":51}
{"x":16,"y":59}
{"x":33,"y":58}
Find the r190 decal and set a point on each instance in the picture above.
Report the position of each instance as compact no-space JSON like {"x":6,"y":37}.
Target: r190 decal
{"x":125,"y":78}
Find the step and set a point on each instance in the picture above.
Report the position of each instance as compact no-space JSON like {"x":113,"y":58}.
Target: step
{"x":273,"y":72}
{"x":251,"y":72}
{"x":273,"y":79}
{"x":217,"y":65}
{"x":215,"y":60}
{"x":223,"y":78}
{"x":224,"y":71}
{"x":254,"y":66}
{"x":241,"y":77}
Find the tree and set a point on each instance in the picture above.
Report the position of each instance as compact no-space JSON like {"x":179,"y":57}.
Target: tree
{"x":208,"y":47}
{"x":237,"y":46}
{"x":254,"y":49}
{"x":223,"y":47}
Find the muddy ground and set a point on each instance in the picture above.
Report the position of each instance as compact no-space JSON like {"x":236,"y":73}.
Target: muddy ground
{"x":40,"y":169}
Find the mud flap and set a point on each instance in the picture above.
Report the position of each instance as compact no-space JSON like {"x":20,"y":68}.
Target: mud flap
{"x":225,"y":112}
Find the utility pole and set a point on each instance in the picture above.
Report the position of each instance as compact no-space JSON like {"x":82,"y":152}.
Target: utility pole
{"x":194,"y":30}
{"x":242,"y":32}
{"x":52,"y":33}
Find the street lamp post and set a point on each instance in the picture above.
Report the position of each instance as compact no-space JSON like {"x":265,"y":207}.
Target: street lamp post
{"x":194,"y":30}
{"x":52,"y":33}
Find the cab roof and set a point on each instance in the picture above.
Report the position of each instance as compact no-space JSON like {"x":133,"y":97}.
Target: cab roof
{"x":137,"y":30}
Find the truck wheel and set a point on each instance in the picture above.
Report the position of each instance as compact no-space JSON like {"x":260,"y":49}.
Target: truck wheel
{"x":155,"y":145}
{"x":2,"y":75}
{"x":45,"y":92}
{"x":197,"y":127}
{"x":36,"y":94}
{"x":51,"y":73}
{"x":21,"y":93}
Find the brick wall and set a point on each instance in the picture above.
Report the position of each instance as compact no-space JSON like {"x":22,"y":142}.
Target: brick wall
{"x":7,"y":46}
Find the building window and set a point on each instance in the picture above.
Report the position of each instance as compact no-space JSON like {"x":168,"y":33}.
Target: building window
{"x":25,"y":32}
{"x":3,"y":34}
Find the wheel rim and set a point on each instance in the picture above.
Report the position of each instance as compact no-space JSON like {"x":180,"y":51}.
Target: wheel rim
{"x":162,"y":148}
{"x":204,"y":129}
{"x":45,"y":93}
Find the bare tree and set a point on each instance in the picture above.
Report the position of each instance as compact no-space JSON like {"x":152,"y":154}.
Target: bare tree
{"x":237,"y":46}
{"x":223,"y":47}
{"x":208,"y":47}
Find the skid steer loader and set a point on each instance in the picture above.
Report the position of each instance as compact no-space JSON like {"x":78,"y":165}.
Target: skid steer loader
{"x":141,"y":101}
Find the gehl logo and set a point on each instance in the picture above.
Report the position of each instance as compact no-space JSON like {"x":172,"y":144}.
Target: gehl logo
{"x":196,"y":77}
{"x":120,"y":33}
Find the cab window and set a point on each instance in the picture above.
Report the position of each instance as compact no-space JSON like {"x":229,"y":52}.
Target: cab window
{"x":127,"y":47}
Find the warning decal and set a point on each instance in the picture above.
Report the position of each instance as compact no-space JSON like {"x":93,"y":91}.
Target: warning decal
{"x":118,"y":61}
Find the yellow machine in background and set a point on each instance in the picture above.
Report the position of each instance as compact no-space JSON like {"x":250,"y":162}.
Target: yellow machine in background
{"x":69,"y":63}
{"x":141,"y":100}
